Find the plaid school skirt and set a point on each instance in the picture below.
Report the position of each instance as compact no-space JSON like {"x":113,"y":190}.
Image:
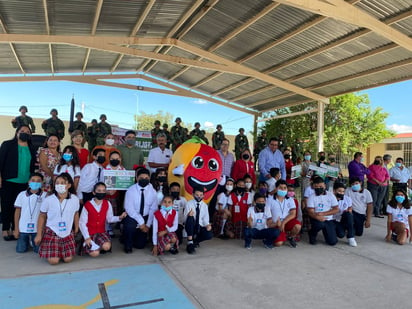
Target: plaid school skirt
{"x":163,"y":241}
{"x":99,"y":239}
{"x":53,"y":246}
{"x":217,"y":222}
{"x":239,"y":229}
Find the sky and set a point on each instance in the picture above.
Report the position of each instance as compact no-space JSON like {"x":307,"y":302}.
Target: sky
{"x":121,"y":104}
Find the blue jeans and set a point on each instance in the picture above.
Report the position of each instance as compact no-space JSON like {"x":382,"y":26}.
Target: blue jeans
{"x":345,"y":225}
{"x":328,"y":230}
{"x":268,"y":235}
{"x":23,"y":242}
{"x":358,"y":222}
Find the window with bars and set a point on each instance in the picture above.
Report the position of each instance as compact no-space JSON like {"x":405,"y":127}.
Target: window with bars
{"x":407,"y":154}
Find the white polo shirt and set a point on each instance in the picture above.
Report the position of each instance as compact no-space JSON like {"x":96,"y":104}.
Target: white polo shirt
{"x":322,"y":203}
{"x":402,"y":175}
{"x":360,"y":200}
{"x":399,"y":214}
{"x":30,"y":209}
{"x":259,"y":218}
{"x":157,"y":155}
{"x":280,"y":210}
{"x":343,"y":204}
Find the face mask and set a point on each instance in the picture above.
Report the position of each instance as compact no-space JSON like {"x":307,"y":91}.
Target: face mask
{"x":339,"y":196}
{"x":101,"y":159}
{"x":248,"y":185}
{"x":377,"y":162}
{"x":198,"y":199}
{"x":322,"y":158}
{"x":319,"y":191}
{"x":356,"y":187}
{"x":362,"y":159}
{"x":229,"y":188}
{"x":175,"y":194}
{"x":60,"y":189}
{"x":24,"y":137}
{"x":143,"y":182}
{"x":99,"y":196}
{"x":167,"y":208}
{"x":260,"y":206}
{"x":263,"y":191}
{"x":130,"y":142}
{"x":307,"y":158}
{"x":110,"y":142}
{"x":291,"y":193}
{"x":67,"y":157}
{"x":240,"y":190}
{"x":114,"y":162}
{"x":162,"y":179}
{"x":35,"y":185}
{"x":398,"y":164}
{"x":281,"y":193}
{"x":331,"y":160}
{"x":287,"y":156}
{"x":399,"y":199}
{"x":245,"y":157}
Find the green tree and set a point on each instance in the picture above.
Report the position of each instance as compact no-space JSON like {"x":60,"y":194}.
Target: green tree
{"x":351,"y":124}
{"x":145,"y":121}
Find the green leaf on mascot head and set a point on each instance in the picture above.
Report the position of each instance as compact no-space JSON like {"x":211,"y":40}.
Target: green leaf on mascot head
{"x":195,"y":140}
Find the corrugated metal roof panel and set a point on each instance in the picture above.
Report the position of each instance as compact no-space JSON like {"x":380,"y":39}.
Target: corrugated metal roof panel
{"x":34,"y":58}
{"x":165,"y":70}
{"x":130,"y":63}
{"x":23,"y":16}
{"x":405,"y":26}
{"x":8,"y":64}
{"x":68,"y":58}
{"x":384,"y":8}
{"x":100,"y":61}
{"x":221,"y":82}
{"x":286,"y":101}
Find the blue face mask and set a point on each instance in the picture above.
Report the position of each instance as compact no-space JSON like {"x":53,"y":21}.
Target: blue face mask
{"x":281,"y":193}
{"x":167,"y":208}
{"x":67,"y":157}
{"x":356,"y":187}
{"x":398,"y":164}
{"x":400,"y":199}
{"x":307,"y":158}
{"x":35,"y":185}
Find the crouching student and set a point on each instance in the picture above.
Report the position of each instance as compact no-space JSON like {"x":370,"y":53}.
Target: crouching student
{"x":239,"y":202}
{"x":399,"y":217}
{"x":197,"y":224}
{"x":179,"y":205}
{"x":321,"y":207}
{"x":27,"y":211}
{"x":344,"y":217}
{"x":58,"y":222}
{"x":259,"y":220}
{"x":283,"y":213}
{"x":165,"y":223}
{"x":221,"y":228}
{"x":93,"y":218}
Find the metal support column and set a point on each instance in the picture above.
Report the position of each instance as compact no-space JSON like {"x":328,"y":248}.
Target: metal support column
{"x":321,"y":124}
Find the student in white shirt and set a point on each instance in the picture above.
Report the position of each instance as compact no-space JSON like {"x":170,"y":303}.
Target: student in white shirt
{"x":344,"y":217}
{"x":399,"y":218}
{"x":58,"y":222}
{"x":179,"y":205}
{"x":222,"y":213}
{"x":140,"y":203}
{"x":27,"y":211}
{"x":321,"y":207}
{"x":159,"y":183}
{"x":362,"y":205}
{"x":69,"y":163}
{"x":91,"y":174}
{"x":197,"y":224}
{"x":259,"y":222}
{"x":93,"y":218}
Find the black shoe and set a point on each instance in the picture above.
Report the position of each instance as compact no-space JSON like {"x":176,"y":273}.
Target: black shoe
{"x":190,"y":248}
{"x":128,"y":250}
{"x":173,"y":251}
{"x":9,"y":238}
{"x":394,"y":237}
{"x":292,"y":242}
{"x":312,"y":240}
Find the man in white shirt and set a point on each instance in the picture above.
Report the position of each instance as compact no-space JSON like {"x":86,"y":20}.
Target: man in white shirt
{"x":140,"y":203}
{"x":321,"y":207}
{"x":159,"y":156}
{"x":399,"y":176}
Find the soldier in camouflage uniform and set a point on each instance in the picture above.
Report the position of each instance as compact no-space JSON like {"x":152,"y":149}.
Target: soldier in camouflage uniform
{"x":167,"y":133}
{"x":78,"y":124}
{"x":177,"y":134}
{"x":241,"y":143}
{"x":260,"y":144}
{"x":156,"y":130}
{"x":92,"y":132}
{"x":199,"y":133}
{"x":217,"y":137}
{"x":23,"y":120}
{"x":104,"y":129}
{"x":53,"y":125}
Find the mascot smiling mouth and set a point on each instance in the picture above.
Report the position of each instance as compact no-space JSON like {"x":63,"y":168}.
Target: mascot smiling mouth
{"x":206,"y":185}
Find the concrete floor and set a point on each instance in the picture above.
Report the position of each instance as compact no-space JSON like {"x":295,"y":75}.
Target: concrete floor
{"x":222,"y":273}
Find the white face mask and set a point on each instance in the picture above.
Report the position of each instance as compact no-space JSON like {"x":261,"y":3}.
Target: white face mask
{"x":60,"y":189}
{"x":229,"y":188}
{"x":110,"y":141}
{"x":248,"y":185}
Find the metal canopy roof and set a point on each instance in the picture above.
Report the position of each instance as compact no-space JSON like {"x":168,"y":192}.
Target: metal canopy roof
{"x":251,"y":55}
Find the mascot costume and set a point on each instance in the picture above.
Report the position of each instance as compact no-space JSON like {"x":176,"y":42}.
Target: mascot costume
{"x":196,"y":165}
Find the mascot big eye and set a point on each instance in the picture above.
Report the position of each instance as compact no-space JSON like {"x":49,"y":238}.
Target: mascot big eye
{"x":196,"y":165}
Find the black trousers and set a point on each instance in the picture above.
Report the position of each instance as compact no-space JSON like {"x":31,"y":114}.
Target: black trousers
{"x":199,"y":233}
{"x":133,"y":236}
{"x":8,"y":193}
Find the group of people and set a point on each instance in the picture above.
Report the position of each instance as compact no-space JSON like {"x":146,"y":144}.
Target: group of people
{"x":49,"y":197}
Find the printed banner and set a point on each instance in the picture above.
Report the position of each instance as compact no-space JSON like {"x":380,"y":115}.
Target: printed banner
{"x":118,"y":180}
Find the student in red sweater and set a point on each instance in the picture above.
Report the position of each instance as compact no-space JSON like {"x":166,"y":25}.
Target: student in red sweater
{"x":244,"y":166}
{"x":93,"y":219}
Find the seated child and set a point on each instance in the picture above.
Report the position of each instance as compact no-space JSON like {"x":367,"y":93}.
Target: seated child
{"x":165,"y":224}
{"x":344,"y":218}
{"x":27,"y":211}
{"x":399,"y":217}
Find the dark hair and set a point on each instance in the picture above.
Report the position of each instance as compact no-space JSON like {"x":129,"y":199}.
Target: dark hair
{"x":273,"y":139}
{"x":393,"y":203}
{"x":337,"y":185}
{"x":274,"y":171}
{"x":113,"y":152}
{"x":198,"y":189}
{"x":75,"y":158}
{"x":174,"y":184}
{"x":239,"y":180}
{"x":100,"y":183}
{"x":37,"y":174}
{"x":18,"y":129}
{"x":77,"y":132}
{"x":352,"y":180}
{"x":167,"y":196}
{"x":130,"y":132}
{"x":156,"y":183}
{"x":69,"y":179}
{"x":357,"y":154}
{"x":262,"y":183}
{"x":258,"y":195}
{"x":47,"y":139}
{"x":247,"y":176}
{"x":281,"y":182}
{"x":401,"y":159}
{"x":318,"y":180}
{"x":97,"y":150}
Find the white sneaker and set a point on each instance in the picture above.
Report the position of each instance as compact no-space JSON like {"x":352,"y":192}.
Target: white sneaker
{"x":352,"y":242}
